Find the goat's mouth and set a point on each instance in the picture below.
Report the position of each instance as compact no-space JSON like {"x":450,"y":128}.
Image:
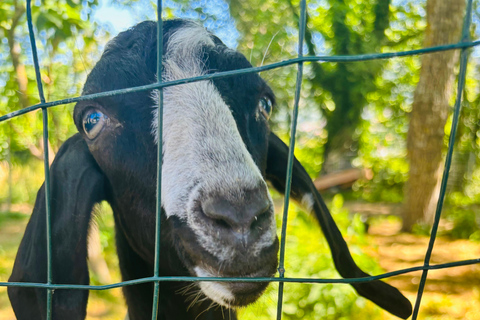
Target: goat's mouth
{"x":233,"y":294}
{"x":234,"y":261}
{"x":238,"y":293}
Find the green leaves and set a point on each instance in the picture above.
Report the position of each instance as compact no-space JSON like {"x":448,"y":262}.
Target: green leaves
{"x":64,"y":37}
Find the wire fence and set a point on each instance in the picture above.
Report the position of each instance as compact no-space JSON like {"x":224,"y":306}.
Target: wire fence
{"x":464,"y":44}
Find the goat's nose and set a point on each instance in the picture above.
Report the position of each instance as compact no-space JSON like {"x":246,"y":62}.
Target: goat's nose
{"x":242,"y":214}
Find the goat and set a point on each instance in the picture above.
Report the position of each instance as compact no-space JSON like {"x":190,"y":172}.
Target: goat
{"x":217,"y":214}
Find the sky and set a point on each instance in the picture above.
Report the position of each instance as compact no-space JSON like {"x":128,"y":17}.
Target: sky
{"x":122,"y":17}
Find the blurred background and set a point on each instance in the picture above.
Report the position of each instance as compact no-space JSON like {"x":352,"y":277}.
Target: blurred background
{"x":372,"y":135}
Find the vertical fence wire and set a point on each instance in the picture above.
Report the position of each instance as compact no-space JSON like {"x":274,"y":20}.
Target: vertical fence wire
{"x":288,"y":183}
{"x":158,"y":212}
{"x":448,"y":160}
{"x":31,"y":34}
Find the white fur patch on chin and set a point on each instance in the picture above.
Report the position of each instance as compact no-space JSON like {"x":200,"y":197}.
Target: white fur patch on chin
{"x":217,"y":291}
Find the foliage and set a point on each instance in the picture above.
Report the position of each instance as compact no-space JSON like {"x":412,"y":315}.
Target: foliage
{"x":66,"y":39}
{"x":463,"y":217}
{"x":27,"y":180}
{"x":466,"y":223}
{"x":308,"y":256}
{"x":67,"y":27}
{"x":337,"y":91}
{"x":376,"y":121}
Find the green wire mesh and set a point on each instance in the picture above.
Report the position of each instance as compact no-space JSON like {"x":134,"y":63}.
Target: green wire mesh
{"x":464,"y":45}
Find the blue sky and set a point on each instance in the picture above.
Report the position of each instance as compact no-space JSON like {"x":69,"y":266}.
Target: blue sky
{"x":122,"y":17}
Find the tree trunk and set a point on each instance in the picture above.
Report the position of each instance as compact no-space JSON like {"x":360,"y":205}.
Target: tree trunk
{"x":430,"y":111}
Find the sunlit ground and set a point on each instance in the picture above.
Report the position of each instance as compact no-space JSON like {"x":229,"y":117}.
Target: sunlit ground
{"x":450,"y":293}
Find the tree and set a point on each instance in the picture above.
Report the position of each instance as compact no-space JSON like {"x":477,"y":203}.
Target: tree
{"x":64,"y":37}
{"x":430,"y":111}
{"x":339,"y":90}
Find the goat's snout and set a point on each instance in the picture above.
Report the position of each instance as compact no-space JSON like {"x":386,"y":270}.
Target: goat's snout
{"x":246,"y":217}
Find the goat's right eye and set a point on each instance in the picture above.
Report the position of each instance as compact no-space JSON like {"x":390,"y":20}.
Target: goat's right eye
{"x":265,"y":106}
{"x":93,"y":123}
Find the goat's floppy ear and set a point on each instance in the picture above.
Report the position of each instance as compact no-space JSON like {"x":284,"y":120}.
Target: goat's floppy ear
{"x":303,"y":190}
{"x":76,"y":185}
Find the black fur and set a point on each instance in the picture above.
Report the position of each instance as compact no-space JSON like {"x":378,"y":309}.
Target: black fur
{"x":120,"y":165}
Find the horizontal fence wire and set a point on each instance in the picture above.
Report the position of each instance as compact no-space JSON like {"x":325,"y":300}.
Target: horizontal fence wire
{"x":238,"y":279}
{"x":340,"y":58}
{"x":464,"y":45}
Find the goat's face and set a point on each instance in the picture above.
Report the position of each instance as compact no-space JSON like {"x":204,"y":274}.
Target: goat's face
{"x":214,"y":154}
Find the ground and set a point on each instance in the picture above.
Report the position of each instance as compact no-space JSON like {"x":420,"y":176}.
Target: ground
{"x":450,"y":293}
{"x":105,"y":305}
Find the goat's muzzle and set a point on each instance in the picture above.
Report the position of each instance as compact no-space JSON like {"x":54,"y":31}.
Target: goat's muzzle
{"x":236,"y":236}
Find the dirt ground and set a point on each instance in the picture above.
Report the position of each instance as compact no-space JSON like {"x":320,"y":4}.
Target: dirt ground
{"x":449,"y":293}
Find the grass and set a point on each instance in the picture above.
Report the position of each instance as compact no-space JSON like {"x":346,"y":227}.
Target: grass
{"x":12,"y":226}
{"x":105,"y":305}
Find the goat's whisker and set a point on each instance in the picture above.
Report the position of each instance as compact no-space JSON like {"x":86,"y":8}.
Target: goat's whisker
{"x":268,"y":47}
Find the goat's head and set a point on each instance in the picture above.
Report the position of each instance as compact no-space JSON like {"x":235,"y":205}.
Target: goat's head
{"x":215,"y":136}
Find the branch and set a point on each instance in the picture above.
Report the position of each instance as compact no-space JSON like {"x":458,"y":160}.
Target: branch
{"x":14,"y":48}
{"x":37,"y":152}
{"x":382,"y":19}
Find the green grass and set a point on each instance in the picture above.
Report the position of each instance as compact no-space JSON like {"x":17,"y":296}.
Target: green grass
{"x":12,"y":226}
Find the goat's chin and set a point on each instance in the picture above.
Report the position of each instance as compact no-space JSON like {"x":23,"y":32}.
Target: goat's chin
{"x":231,"y":294}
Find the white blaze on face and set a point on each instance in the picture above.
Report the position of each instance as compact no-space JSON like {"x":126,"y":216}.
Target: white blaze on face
{"x":202,"y":148}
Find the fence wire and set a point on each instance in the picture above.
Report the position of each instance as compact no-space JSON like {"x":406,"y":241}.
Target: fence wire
{"x":464,"y":44}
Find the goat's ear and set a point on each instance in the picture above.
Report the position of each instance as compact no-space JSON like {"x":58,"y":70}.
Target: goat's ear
{"x":304,"y":191}
{"x":76,"y":185}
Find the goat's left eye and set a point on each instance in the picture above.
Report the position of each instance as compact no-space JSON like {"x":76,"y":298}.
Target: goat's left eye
{"x":265,"y":106}
{"x":93,"y":123}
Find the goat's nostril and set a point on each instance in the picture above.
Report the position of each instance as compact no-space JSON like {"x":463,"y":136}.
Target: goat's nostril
{"x":223,"y":223}
{"x":220,"y":211}
{"x":261,"y":217}
{"x":240,"y":217}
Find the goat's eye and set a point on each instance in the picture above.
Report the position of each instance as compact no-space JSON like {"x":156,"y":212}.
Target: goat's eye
{"x":265,"y":106}
{"x":93,"y":123}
